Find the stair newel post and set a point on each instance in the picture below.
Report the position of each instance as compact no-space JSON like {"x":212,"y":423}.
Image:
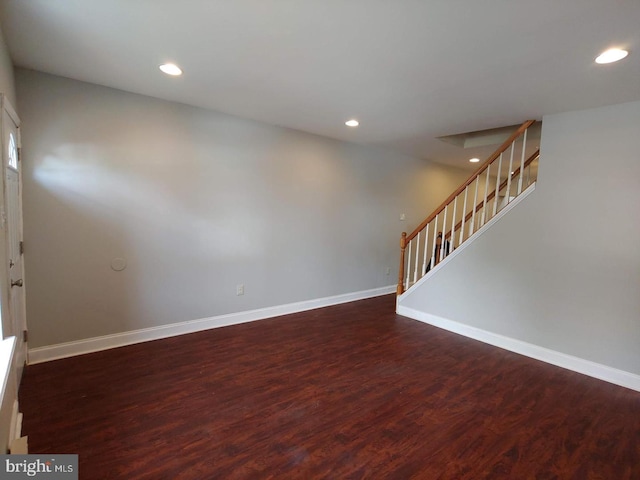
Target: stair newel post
{"x":403,"y":246}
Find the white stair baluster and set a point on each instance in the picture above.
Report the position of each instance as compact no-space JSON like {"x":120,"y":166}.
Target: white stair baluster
{"x":415,"y":273}
{"x":444,"y":231}
{"x":452,"y":237}
{"x":472,"y":225}
{"x":524,"y":146}
{"x":508,"y":192}
{"x":408,"y":267}
{"x":486,"y":192}
{"x":435,"y":237}
{"x":426,"y":251}
{"x":497,"y":196}
{"x":464,"y":214}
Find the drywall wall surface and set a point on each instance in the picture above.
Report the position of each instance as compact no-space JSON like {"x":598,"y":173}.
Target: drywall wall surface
{"x":197,"y":202}
{"x":7,"y":82}
{"x":562,"y":270}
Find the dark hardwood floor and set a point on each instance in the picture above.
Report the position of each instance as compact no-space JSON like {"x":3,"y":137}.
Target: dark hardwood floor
{"x":346,"y":392}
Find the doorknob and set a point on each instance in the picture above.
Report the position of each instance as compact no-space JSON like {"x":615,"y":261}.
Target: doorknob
{"x":17,"y":283}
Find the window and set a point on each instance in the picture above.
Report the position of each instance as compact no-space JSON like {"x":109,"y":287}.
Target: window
{"x":13,"y":152}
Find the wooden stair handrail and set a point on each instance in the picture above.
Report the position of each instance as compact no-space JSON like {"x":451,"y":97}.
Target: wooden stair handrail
{"x":471,"y":179}
{"x":516,"y":172}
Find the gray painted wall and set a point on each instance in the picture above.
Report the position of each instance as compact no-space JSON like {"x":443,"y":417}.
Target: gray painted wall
{"x":197,"y":202}
{"x":7,"y":83}
{"x":562,"y":269}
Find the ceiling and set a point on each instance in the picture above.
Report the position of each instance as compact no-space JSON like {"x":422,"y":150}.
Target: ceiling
{"x":409,"y":70}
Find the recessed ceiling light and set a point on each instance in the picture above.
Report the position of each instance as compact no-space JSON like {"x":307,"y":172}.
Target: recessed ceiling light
{"x":611,"y":55}
{"x":171,"y":69}
{"x":474,"y":160}
{"x":352,"y":123}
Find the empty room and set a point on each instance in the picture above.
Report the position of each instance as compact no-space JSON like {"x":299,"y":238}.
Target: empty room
{"x":320,"y":240}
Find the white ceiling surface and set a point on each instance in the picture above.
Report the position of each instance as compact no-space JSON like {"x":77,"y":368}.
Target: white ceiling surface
{"x":409,"y":70}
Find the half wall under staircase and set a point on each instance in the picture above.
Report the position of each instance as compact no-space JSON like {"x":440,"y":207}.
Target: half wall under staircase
{"x":505,"y":175}
{"x":532,"y":278}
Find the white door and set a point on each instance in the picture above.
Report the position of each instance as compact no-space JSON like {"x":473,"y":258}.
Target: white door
{"x":13,"y":233}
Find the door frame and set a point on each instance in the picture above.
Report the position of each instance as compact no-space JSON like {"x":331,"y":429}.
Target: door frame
{"x":20,"y":357}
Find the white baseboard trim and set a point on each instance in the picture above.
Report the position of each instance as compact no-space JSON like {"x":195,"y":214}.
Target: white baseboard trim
{"x":576,"y":364}
{"x":96,"y":344}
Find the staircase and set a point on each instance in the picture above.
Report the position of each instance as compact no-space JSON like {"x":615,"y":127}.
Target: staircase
{"x":506,"y":174}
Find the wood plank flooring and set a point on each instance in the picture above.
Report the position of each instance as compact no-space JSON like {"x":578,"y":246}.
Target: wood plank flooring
{"x":346,"y":392}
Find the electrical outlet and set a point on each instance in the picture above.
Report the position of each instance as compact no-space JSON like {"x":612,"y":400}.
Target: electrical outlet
{"x":388,"y":271}
{"x":240,"y":289}
{"x":403,"y":217}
